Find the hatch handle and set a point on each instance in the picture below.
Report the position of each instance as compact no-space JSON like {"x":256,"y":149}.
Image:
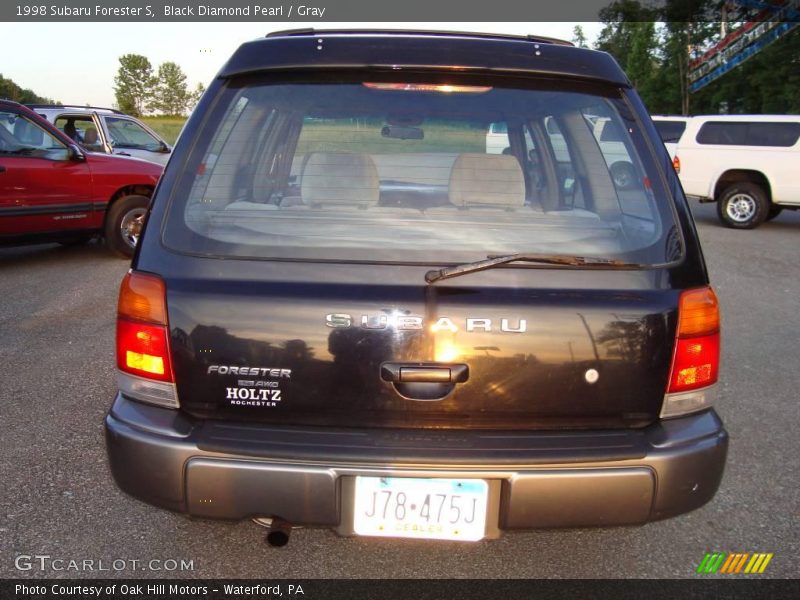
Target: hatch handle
{"x":424,"y":372}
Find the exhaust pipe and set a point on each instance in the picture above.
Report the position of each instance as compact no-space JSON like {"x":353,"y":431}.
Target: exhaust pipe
{"x":279,"y":532}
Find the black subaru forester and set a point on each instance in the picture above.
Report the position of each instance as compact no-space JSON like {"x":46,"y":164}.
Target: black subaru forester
{"x":418,"y":284}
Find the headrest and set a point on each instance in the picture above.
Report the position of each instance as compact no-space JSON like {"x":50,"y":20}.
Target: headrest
{"x":492,"y":180}
{"x":90,"y":136}
{"x":339,"y":178}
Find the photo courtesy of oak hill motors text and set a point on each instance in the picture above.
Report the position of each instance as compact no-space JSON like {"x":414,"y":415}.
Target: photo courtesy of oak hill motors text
{"x":257,"y":11}
{"x":155,"y":589}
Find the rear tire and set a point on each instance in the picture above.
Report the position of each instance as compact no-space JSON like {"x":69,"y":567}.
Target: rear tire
{"x":774,"y":211}
{"x":124,"y":223}
{"x":743,"y":205}
{"x":623,"y":175}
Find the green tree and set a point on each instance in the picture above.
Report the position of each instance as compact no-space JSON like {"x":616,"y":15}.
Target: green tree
{"x":621,"y":19}
{"x":641,"y":63}
{"x":656,"y":56}
{"x":134,"y":84}
{"x":171,"y":96}
{"x":12,"y":91}
{"x":579,"y":38}
{"x":196,"y":95}
{"x":689,"y":27}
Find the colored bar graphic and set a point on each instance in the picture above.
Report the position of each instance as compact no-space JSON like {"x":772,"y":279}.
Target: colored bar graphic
{"x":729,"y":563}
{"x":734,"y":563}
{"x":740,"y":564}
{"x":765,"y":563}
{"x":701,"y":568}
{"x":711,"y":562}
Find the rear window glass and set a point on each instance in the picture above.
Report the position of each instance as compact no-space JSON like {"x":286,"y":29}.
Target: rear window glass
{"x":743,"y":133}
{"x":413,"y":172}
{"x":670,"y":131}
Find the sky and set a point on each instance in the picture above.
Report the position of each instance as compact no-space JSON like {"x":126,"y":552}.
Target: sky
{"x":76,"y":62}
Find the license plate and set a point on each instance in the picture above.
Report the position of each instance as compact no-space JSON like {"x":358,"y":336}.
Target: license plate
{"x":439,"y":509}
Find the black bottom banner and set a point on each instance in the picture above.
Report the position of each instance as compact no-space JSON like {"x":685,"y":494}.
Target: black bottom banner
{"x":391,"y":589}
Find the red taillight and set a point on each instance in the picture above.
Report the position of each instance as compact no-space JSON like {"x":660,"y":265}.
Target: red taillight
{"x":696,"y":363}
{"x":696,"y":360}
{"x":676,"y":164}
{"x":143,"y":350}
{"x":142,"y":331}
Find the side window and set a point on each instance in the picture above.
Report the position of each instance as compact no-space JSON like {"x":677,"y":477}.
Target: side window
{"x":732,"y":133}
{"x":82,"y":129}
{"x":21,"y":137}
{"x":564,"y":168}
{"x":782,"y":135}
{"x":749,"y":133}
{"x":220,"y":181}
{"x":633,"y":190}
{"x":670,"y":131}
{"x":125,"y":133}
{"x":557,"y":140}
{"x":608,"y":134}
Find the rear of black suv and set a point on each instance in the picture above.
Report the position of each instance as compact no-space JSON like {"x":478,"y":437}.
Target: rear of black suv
{"x":348,"y":310}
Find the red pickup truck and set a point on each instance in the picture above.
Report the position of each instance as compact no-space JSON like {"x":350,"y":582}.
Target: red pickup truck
{"x":52,"y":189}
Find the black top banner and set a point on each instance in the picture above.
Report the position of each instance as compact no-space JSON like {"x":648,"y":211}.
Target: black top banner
{"x":322,"y":11}
{"x":391,"y":11}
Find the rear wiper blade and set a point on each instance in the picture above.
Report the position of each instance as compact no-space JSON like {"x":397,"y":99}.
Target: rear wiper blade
{"x":544,"y":259}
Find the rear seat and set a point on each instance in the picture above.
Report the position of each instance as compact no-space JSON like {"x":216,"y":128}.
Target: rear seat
{"x":484,"y":181}
{"x":351,"y":181}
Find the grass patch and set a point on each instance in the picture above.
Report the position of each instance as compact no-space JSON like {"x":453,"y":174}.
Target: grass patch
{"x":350,"y":135}
{"x":346,"y":135}
{"x":167,"y":127}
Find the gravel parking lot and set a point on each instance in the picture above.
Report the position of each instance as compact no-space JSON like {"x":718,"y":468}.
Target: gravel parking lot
{"x":57,"y":308}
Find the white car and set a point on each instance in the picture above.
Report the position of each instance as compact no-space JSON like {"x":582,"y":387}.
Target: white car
{"x":670,"y":129}
{"x":107,"y":130}
{"x":497,"y":138}
{"x":745,"y":163}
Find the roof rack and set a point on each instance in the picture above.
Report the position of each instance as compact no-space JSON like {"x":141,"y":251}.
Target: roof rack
{"x":506,"y":36}
{"x":75,"y":106}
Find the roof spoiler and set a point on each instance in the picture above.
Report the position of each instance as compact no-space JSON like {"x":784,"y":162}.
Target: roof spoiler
{"x":310,"y":31}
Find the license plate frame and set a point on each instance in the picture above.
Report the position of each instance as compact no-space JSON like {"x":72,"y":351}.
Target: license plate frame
{"x":431,"y":508}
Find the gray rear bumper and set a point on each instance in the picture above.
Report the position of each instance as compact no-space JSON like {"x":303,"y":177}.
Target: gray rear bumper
{"x":305,"y":476}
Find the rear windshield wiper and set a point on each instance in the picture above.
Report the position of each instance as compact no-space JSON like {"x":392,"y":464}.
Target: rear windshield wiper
{"x":544,"y":259}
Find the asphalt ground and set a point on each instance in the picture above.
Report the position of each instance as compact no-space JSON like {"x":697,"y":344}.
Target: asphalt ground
{"x":57,"y":308}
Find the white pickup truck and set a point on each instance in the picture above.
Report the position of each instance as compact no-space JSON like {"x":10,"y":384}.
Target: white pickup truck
{"x":747,"y":164}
